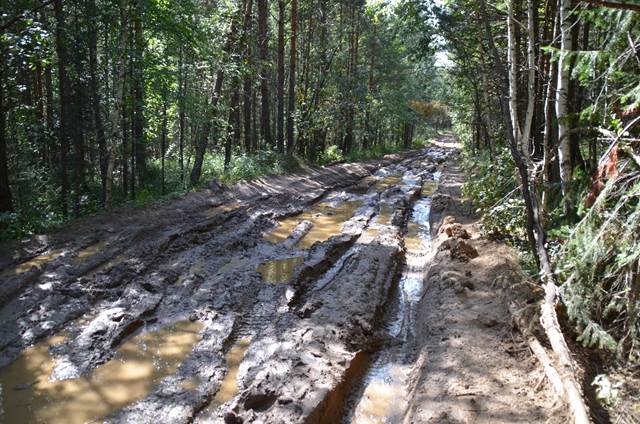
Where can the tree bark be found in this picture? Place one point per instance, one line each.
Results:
(280, 86)
(138, 123)
(562, 106)
(248, 83)
(291, 110)
(6, 203)
(95, 99)
(265, 74)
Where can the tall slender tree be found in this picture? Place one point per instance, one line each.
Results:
(265, 74)
(291, 109)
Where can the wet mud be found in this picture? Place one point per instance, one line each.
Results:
(292, 299)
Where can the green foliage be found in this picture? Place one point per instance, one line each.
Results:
(493, 189)
(246, 166)
(600, 268)
(331, 154)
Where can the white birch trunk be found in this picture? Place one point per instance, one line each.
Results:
(531, 81)
(562, 92)
(548, 115)
(512, 58)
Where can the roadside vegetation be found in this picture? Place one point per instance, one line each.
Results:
(546, 101)
(105, 104)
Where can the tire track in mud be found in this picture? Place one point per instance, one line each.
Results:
(309, 335)
(334, 338)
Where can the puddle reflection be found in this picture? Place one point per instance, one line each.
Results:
(89, 251)
(38, 262)
(29, 397)
(327, 222)
(229, 387)
(280, 270)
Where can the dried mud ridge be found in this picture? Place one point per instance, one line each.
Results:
(324, 297)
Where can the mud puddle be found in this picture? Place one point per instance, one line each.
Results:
(387, 182)
(89, 251)
(38, 262)
(28, 396)
(229, 387)
(279, 270)
(327, 219)
(384, 394)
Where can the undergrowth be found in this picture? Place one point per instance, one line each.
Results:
(597, 260)
(37, 208)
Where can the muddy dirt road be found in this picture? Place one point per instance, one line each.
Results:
(333, 296)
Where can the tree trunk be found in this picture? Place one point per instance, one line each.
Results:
(248, 83)
(531, 78)
(233, 139)
(513, 72)
(280, 86)
(203, 138)
(163, 140)
(138, 123)
(77, 112)
(182, 87)
(117, 130)
(48, 85)
(65, 102)
(548, 128)
(265, 77)
(562, 106)
(95, 100)
(291, 112)
(6, 204)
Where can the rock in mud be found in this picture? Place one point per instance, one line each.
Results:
(460, 249)
(456, 230)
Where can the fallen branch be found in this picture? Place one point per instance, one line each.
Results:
(567, 371)
(552, 374)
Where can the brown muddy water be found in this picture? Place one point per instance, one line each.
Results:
(279, 270)
(89, 251)
(229, 387)
(28, 396)
(38, 262)
(385, 395)
(327, 221)
(429, 187)
(387, 182)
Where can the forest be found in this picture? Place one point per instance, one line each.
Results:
(105, 103)
(148, 128)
